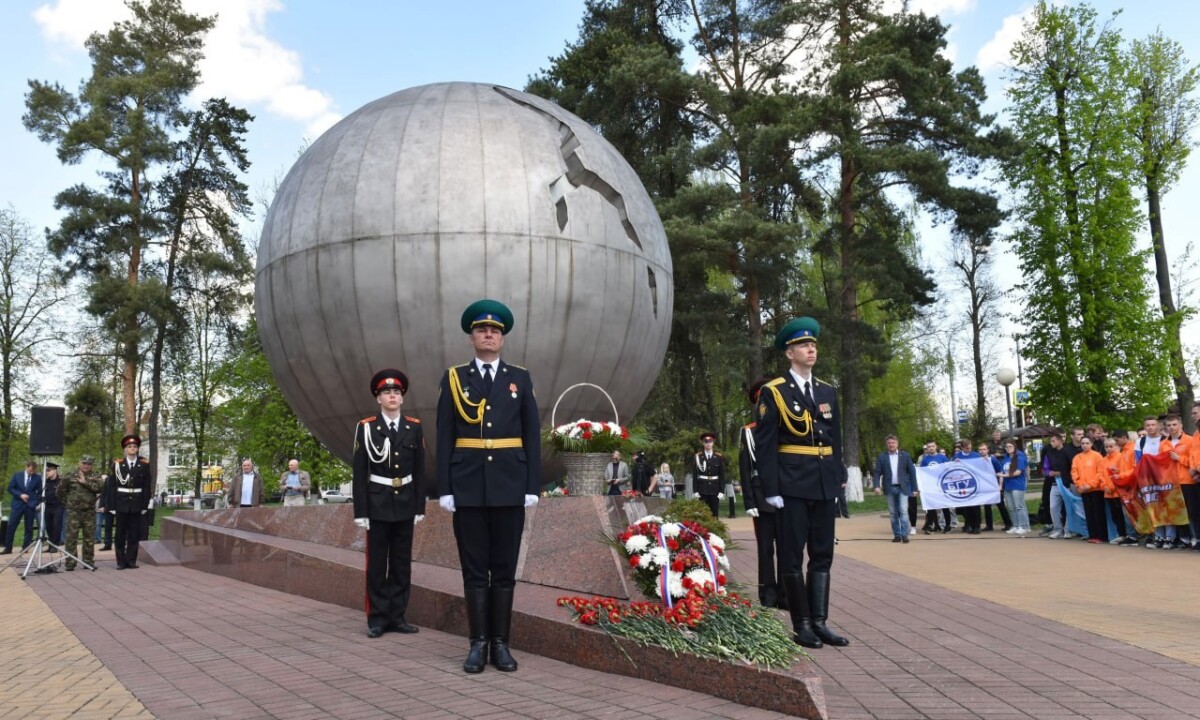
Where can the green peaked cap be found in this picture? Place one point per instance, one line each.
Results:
(802, 329)
(487, 312)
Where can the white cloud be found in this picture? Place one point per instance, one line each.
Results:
(240, 62)
(996, 52)
(930, 7)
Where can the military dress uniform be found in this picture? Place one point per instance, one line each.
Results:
(389, 490)
(708, 475)
(766, 525)
(799, 443)
(55, 512)
(126, 496)
(488, 470)
(78, 492)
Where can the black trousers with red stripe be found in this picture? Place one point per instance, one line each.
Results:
(389, 572)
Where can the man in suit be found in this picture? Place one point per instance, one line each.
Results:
(246, 487)
(799, 441)
(489, 470)
(389, 500)
(616, 473)
(25, 487)
(766, 524)
(708, 473)
(295, 484)
(895, 477)
(126, 497)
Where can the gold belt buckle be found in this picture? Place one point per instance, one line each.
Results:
(396, 482)
(488, 443)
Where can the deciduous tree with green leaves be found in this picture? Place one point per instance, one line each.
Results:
(1094, 343)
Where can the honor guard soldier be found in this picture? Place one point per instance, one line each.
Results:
(798, 440)
(126, 496)
(766, 524)
(488, 471)
(78, 491)
(708, 469)
(389, 499)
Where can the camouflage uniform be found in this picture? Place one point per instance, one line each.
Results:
(80, 499)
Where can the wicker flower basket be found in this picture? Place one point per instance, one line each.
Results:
(585, 471)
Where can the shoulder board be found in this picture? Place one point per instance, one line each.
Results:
(826, 384)
(412, 419)
(718, 453)
(775, 382)
(144, 461)
(516, 366)
(458, 367)
(364, 421)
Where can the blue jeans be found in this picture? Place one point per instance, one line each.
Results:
(1017, 509)
(898, 511)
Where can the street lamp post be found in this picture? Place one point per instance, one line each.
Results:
(1006, 377)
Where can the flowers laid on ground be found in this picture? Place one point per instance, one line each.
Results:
(673, 556)
(703, 623)
(588, 436)
(558, 491)
(681, 567)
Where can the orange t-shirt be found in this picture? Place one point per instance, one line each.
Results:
(1087, 470)
(1183, 447)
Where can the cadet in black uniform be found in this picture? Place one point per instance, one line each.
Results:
(126, 496)
(488, 471)
(708, 473)
(766, 526)
(798, 439)
(389, 499)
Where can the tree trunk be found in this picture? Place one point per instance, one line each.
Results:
(6, 422)
(130, 349)
(1184, 391)
(851, 386)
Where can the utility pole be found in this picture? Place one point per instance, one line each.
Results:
(953, 399)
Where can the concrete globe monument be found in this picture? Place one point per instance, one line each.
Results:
(430, 198)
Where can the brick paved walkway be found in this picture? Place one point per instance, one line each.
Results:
(192, 645)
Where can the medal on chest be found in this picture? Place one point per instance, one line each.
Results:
(826, 410)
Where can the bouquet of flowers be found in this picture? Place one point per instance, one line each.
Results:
(671, 558)
(558, 491)
(588, 436)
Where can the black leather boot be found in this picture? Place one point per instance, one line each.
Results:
(798, 608)
(768, 596)
(502, 601)
(818, 601)
(732, 505)
(477, 629)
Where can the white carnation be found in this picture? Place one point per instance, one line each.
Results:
(650, 519)
(659, 556)
(716, 541)
(670, 530)
(644, 560)
(723, 561)
(675, 585)
(637, 544)
(699, 576)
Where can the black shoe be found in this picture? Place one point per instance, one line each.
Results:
(374, 631)
(904, 539)
(404, 628)
(477, 657)
(6, 551)
(70, 568)
(896, 539)
(107, 547)
(121, 567)
(500, 613)
(768, 596)
(797, 598)
(502, 659)
(947, 530)
(927, 531)
(989, 529)
(132, 566)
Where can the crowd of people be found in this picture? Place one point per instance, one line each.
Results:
(1088, 465)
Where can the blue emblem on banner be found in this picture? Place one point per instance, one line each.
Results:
(958, 483)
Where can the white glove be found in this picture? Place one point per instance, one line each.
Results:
(447, 502)
(720, 496)
(364, 523)
(752, 512)
(531, 501)
(112, 512)
(417, 519)
(775, 501)
(143, 512)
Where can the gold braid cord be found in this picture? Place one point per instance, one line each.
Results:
(798, 425)
(462, 402)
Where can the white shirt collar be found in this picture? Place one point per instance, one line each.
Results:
(800, 380)
(388, 419)
(494, 363)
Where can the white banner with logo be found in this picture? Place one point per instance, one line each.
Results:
(958, 483)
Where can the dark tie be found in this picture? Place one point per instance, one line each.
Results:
(808, 392)
(615, 471)
(487, 378)
(392, 430)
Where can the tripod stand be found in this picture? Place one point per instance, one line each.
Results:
(37, 549)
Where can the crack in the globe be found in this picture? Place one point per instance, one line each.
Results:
(577, 175)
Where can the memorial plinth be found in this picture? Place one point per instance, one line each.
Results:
(317, 552)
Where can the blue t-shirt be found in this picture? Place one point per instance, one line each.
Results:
(927, 460)
(1018, 482)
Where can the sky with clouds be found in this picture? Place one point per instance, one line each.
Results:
(301, 65)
